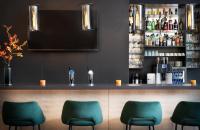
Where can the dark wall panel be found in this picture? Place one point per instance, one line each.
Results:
(110, 63)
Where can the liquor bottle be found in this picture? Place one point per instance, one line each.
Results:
(169, 41)
(149, 26)
(163, 11)
(130, 28)
(165, 25)
(161, 40)
(157, 40)
(157, 24)
(147, 22)
(181, 24)
(162, 25)
(170, 11)
(181, 39)
(153, 25)
(176, 11)
(175, 25)
(177, 39)
(173, 41)
(153, 39)
(130, 11)
(165, 40)
(170, 25)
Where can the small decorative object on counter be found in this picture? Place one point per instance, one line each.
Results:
(71, 76)
(91, 77)
(10, 46)
(42, 83)
(118, 82)
(193, 82)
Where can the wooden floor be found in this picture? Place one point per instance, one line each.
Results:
(112, 102)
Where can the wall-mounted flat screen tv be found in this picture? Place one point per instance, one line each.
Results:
(62, 31)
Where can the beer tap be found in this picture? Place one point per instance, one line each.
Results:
(91, 77)
(71, 76)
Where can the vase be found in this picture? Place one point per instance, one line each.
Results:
(7, 75)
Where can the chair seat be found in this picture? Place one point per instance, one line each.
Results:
(81, 122)
(190, 122)
(20, 123)
(142, 121)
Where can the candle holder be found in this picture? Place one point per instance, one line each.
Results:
(118, 83)
(42, 83)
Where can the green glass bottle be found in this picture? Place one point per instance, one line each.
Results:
(153, 24)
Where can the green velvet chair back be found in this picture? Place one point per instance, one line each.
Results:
(83, 111)
(22, 113)
(142, 110)
(186, 111)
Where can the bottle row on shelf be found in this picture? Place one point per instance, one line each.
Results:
(162, 11)
(158, 53)
(193, 47)
(193, 38)
(163, 24)
(164, 40)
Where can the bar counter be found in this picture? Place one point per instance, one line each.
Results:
(112, 99)
(96, 86)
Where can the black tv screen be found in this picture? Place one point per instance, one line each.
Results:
(62, 30)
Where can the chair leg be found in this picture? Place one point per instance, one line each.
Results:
(33, 127)
(93, 127)
(9, 127)
(129, 127)
(175, 126)
(153, 127)
(126, 127)
(70, 127)
(15, 127)
(38, 127)
(149, 127)
(182, 127)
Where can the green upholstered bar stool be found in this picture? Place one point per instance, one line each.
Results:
(76, 113)
(141, 114)
(22, 114)
(186, 114)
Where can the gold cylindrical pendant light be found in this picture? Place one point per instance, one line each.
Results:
(33, 18)
(86, 17)
(138, 17)
(190, 21)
